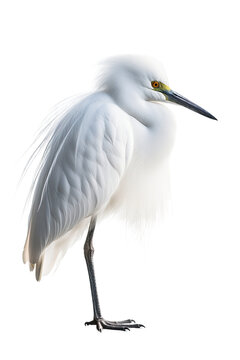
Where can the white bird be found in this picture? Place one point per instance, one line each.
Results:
(107, 153)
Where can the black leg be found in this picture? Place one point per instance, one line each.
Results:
(88, 253)
(98, 319)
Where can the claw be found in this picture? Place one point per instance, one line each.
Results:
(114, 325)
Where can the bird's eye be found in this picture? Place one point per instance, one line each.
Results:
(155, 84)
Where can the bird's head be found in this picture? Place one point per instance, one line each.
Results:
(135, 77)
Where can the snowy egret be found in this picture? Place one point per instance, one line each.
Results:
(107, 153)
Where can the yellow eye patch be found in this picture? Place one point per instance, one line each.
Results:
(159, 85)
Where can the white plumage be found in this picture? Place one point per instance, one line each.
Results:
(82, 168)
(108, 152)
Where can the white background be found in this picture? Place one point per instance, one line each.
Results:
(182, 279)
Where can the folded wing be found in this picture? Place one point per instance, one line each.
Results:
(84, 161)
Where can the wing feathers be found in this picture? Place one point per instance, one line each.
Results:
(83, 163)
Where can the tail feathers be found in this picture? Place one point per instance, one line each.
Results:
(52, 254)
(49, 258)
(26, 259)
(39, 267)
(25, 255)
(31, 266)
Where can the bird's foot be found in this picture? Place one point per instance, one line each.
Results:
(114, 325)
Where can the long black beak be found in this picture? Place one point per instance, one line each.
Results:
(179, 99)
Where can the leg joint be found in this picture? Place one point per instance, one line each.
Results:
(88, 250)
